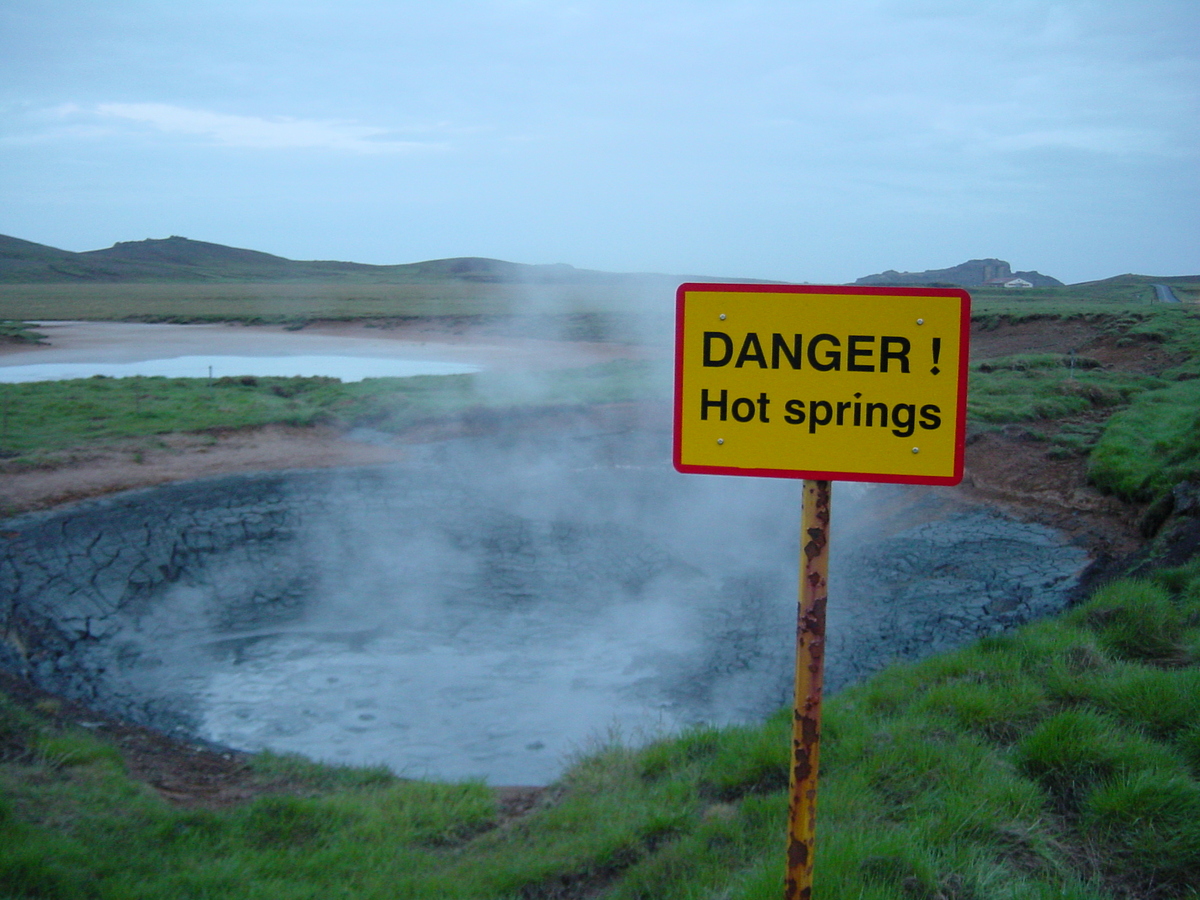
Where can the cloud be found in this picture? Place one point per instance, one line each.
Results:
(1093, 140)
(255, 132)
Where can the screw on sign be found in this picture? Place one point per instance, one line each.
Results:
(824, 383)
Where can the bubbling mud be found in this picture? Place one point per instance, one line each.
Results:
(493, 604)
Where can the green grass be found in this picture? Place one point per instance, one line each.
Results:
(1016, 389)
(1114, 304)
(1129, 322)
(41, 418)
(1026, 388)
(1041, 388)
(16, 332)
(299, 302)
(1061, 760)
(255, 302)
(1152, 445)
(1141, 433)
(1113, 295)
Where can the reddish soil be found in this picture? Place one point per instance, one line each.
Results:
(1057, 336)
(183, 457)
(1014, 469)
(1007, 468)
(1011, 470)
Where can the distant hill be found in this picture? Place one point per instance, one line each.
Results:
(181, 259)
(972, 273)
(26, 261)
(1130, 279)
(184, 260)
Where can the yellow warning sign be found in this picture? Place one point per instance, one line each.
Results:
(823, 382)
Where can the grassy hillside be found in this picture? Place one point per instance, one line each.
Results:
(1153, 445)
(177, 279)
(1131, 295)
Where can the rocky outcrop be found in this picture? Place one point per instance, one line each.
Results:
(972, 273)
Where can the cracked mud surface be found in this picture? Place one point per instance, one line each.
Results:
(493, 603)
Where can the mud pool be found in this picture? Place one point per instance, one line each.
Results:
(492, 605)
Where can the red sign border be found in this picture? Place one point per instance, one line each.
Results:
(960, 425)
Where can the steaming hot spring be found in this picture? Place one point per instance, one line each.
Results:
(493, 604)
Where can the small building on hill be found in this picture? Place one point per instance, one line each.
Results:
(1010, 282)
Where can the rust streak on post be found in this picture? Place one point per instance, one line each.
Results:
(810, 665)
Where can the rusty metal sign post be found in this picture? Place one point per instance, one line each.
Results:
(825, 383)
(810, 669)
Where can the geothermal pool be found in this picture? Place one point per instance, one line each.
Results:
(493, 604)
(122, 349)
(345, 368)
(126, 349)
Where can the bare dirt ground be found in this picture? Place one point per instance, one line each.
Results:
(1009, 470)
(1005, 469)
(182, 457)
(1057, 336)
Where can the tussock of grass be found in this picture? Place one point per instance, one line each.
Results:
(57, 751)
(1160, 702)
(1150, 820)
(1078, 749)
(995, 710)
(1138, 621)
(294, 769)
(1024, 362)
(749, 760)
(17, 727)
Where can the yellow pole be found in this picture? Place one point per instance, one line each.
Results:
(810, 660)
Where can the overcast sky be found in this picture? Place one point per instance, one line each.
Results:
(806, 141)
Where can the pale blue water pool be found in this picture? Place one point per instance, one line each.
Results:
(346, 368)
